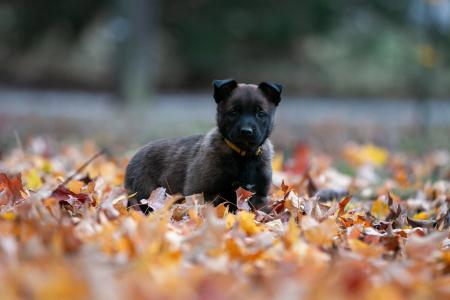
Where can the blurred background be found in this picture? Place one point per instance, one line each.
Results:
(123, 72)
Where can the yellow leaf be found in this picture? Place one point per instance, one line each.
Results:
(365, 249)
(238, 251)
(247, 222)
(385, 291)
(34, 181)
(277, 162)
(46, 166)
(230, 220)
(373, 154)
(75, 186)
(380, 209)
(292, 234)
(422, 216)
(9, 216)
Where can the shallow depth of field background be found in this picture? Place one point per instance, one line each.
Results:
(123, 72)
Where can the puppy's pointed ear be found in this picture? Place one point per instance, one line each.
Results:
(223, 88)
(272, 91)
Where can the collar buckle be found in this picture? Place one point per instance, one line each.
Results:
(238, 150)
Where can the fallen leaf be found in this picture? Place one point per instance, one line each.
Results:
(75, 186)
(242, 198)
(33, 180)
(247, 222)
(380, 209)
(157, 199)
(11, 189)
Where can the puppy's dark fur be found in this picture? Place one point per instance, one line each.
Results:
(205, 163)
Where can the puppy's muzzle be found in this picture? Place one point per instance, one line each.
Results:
(246, 131)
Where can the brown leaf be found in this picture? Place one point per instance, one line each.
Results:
(391, 243)
(311, 188)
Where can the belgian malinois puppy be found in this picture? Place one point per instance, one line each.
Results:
(237, 153)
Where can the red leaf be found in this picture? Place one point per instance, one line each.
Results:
(301, 159)
(61, 193)
(11, 189)
(278, 207)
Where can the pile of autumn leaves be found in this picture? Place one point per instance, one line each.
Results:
(388, 240)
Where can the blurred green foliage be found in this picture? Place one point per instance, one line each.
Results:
(327, 47)
(32, 19)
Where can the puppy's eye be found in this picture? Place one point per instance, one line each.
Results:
(233, 113)
(261, 114)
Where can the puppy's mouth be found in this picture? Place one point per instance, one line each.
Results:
(246, 143)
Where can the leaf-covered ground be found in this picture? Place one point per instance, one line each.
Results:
(71, 237)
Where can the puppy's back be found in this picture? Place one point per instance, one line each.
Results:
(161, 163)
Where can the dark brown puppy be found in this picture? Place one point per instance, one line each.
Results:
(236, 153)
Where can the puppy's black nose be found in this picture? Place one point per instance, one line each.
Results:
(247, 131)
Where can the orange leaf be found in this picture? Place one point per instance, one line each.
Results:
(75, 186)
(343, 204)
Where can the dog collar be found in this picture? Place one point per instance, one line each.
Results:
(239, 150)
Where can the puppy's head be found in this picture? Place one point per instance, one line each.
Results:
(245, 112)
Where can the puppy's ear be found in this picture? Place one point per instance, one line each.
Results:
(223, 88)
(272, 91)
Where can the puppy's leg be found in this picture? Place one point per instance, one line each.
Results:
(228, 197)
(142, 190)
(135, 203)
(262, 189)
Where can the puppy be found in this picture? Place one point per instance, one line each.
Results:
(237, 153)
